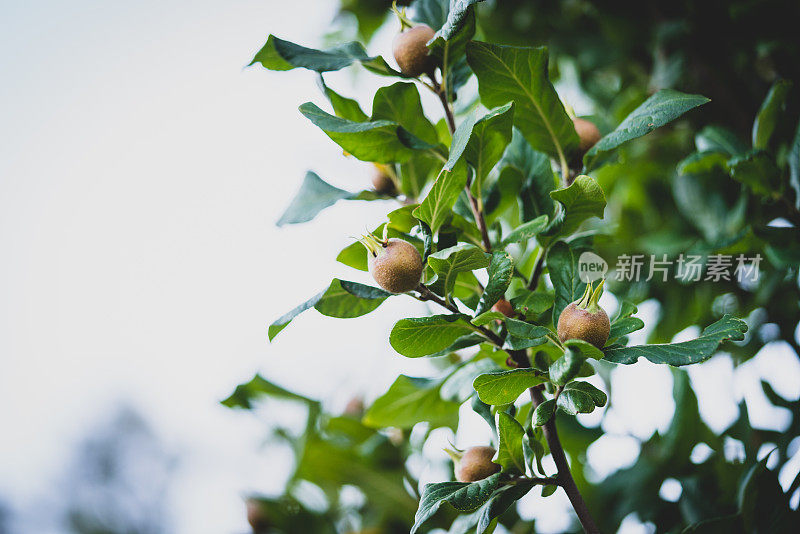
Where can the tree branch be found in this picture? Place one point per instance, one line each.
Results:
(564, 476)
(427, 294)
(477, 212)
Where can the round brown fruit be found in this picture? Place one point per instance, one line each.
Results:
(584, 319)
(410, 49)
(476, 464)
(503, 306)
(588, 133)
(382, 183)
(396, 265)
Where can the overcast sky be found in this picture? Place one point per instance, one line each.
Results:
(142, 168)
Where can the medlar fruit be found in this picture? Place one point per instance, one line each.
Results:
(410, 49)
(382, 182)
(585, 319)
(588, 134)
(476, 464)
(396, 265)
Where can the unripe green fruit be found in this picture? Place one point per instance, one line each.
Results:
(587, 132)
(585, 319)
(396, 265)
(382, 183)
(410, 50)
(476, 464)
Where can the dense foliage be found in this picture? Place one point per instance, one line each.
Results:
(503, 200)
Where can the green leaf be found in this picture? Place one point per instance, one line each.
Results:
(314, 196)
(463, 496)
(772, 110)
(487, 317)
(598, 397)
(544, 412)
(423, 336)
(758, 171)
(377, 141)
(583, 199)
(448, 263)
(400, 103)
(663, 107)
(506, 74)
(410, 401)
(449, 43)
(278, 54)
(438, 204)
(431, 12)
(283, 321)
(526, 231)
(509, 448)
(536, 176)
(244, 394)
(501, 500)
(505, 387)
(522, 335)
(342, 299)
(686, 352)
(719, 139)
(490, 137)
(794, 166)
(460, 139)
(575, 401)
(703, 163)
(343, 107)
(566, 367)
(763, 504)
(346, 300)
(562, 263)
(532, 303)
(501, 271)
(585, 348)
(623, 327)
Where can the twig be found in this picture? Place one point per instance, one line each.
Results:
(427, 294)
(564, 476)
(477, 212)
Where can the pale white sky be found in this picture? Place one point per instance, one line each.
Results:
(141, 171)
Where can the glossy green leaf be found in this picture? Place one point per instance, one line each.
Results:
(343, 107)
(410, 401)
(448, 263)
(450, 41)
(489, 139)
(704, 162)
(376, 141)
(438, 204)
(400, 103)
(583, 199)
(562, 262)
(487, 317)
(719, 139)
(663, 107)
(544, 412)
(505, 387)
(566, 367)
(278, 54)
(772, 110)
(462, 496)
(575, 401)
(532, 303)
(794, 167)
(501, 271)
(758, 171)
(526, 231)
(509, 449)
(423, 336)
(536, 174)
(346, 300)
(314, 195)
(728, 328)
(522, 335)
(585, 348)
(598, 397)
(501, 500)
(460, 139)
(518, 74)
(244, 394)
(342, 299)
